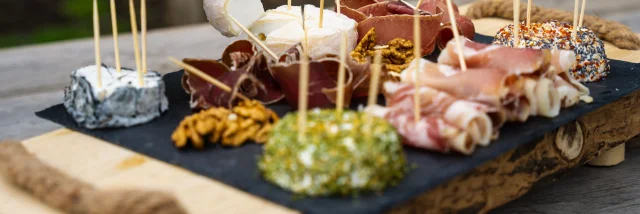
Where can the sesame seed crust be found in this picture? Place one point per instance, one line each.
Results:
(592, 63)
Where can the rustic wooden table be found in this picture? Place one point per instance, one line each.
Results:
(26, 88)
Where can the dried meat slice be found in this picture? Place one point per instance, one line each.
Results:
(238, 54)
(464, 24)
(323, 75)
(394, 26)
(258, 66)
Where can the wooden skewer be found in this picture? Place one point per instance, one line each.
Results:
(136, 48)
(417, 52)
(341, 73)
(516, 23)
(114, 27)
(375, 78)
(584, 5)
(528, 13)
(321, 13)
(338, 6)
(288, 4)
(204, 76)
(303, 92)
(456, 36)
(143, 26)
(255, 39)
(574, 32)
(410, 5)
(96, 41)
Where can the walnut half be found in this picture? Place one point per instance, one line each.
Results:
(249, 120)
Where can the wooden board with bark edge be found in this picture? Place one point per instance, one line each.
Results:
(493, 184)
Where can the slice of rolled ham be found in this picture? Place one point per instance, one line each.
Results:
(431, 133)
(486, 86)
(450, 122)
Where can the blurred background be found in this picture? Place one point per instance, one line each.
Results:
(39, 21)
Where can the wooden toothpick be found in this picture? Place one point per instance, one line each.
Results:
(528, 13)
(321, 13)
(456, 36)
(338, 6)
(204, 76)
(114, 27)
(584, 5)
(143, 26)
(516, 23)
(417, 52)
(254, 38)
(341, 73)
(96, 41)
(136, 48)
(303, 93)
(288, 4)
(374, 79)
(576, 11)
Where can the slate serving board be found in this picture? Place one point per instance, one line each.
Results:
(237, 166)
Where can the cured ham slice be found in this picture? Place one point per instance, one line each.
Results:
(429, 133)
(469, 119)
(486, 86)
(515, 60)
(518, 97)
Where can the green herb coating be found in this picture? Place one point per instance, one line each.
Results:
(341, 154)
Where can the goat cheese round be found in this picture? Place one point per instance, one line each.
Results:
(282, 28)
(341, 154)
(219, 13)
(120, 102)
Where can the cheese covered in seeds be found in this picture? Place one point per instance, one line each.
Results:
(341, 155)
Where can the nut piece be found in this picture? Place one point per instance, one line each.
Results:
(249, 120)
(396, 55)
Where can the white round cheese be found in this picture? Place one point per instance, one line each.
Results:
(282, 28)
(219, 11)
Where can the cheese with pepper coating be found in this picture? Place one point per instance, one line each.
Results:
(342, 154)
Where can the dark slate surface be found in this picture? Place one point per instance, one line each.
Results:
(237, 167)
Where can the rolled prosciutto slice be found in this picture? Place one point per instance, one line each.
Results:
(431, 133)
(487, 86)
(469, 116)
(517, 61)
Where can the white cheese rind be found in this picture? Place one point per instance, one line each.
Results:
(120, 102)
(245, 11)
(283, 29)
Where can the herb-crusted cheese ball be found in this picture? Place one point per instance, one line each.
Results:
(342, 154)
(592, 63)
